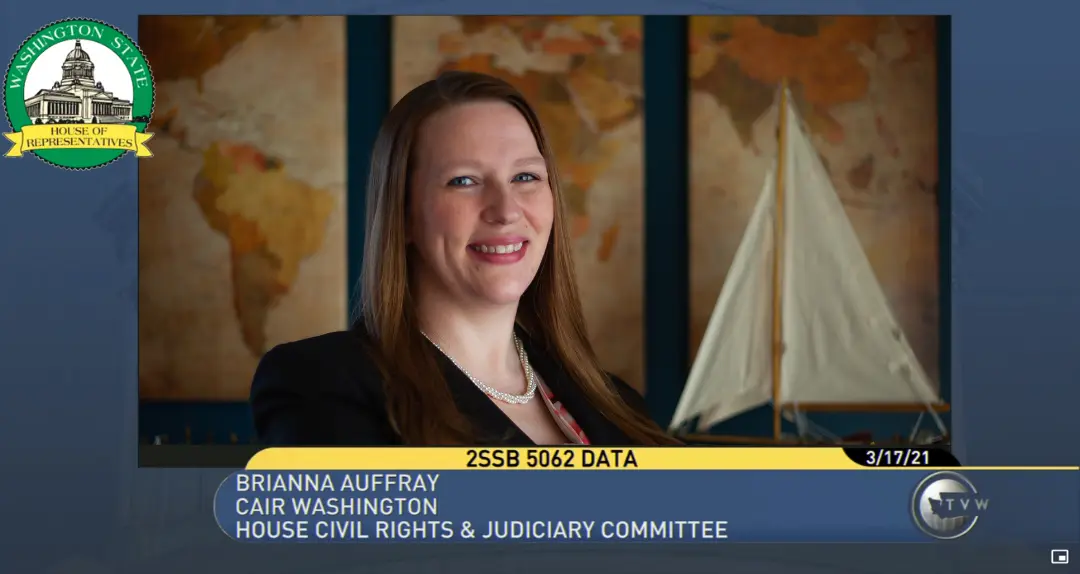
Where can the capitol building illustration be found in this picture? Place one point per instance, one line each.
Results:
(77, 98)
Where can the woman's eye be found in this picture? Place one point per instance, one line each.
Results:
(525, 177)
(462, 181)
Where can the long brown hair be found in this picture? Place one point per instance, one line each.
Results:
(419, 401)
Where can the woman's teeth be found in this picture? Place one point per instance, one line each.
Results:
(500, 249)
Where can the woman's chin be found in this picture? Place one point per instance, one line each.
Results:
(505, 294)
(504, 299)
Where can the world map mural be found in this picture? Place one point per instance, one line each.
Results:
(241, 211)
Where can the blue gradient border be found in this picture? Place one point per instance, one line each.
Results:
(68, 270)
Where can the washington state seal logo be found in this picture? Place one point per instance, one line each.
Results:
(78, 94)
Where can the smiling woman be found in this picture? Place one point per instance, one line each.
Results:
(470, 328)
(480, 214)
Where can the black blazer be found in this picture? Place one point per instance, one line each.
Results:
(327, 391)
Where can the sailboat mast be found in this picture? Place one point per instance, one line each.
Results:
(777, 286)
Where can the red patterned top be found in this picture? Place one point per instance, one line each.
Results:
(566, 422)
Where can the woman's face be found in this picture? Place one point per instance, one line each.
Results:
(481, 207)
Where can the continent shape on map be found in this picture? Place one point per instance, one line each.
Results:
(210, 40)
(272, 222)
(741, 60)
(242, 227)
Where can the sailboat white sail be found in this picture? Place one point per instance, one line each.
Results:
(836, 344)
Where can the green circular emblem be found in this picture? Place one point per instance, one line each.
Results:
(78, 94)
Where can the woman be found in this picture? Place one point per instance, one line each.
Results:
(470, 329)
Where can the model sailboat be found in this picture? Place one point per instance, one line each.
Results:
(801, 321)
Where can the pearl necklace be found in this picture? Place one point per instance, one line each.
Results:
(496, 394)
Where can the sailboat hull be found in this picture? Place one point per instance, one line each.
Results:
(866, 407)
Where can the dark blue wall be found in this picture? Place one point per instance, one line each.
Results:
(666, 236)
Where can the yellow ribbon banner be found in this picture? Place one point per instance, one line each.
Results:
(79, 136)
(572, 458)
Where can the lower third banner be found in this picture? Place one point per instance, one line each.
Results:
(710, 506)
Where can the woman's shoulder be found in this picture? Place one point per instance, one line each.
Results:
(320, 391)
(327, 344)
(319, 363)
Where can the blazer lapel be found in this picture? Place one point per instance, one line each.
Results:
(496, 428)
(598, 428)
(492, 425)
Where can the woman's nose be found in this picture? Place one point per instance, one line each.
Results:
(502, 207)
